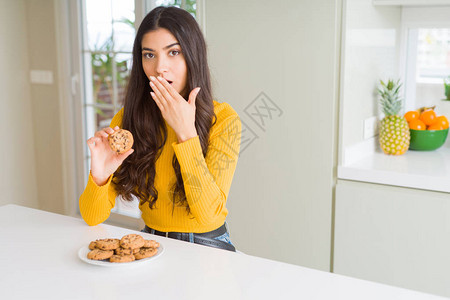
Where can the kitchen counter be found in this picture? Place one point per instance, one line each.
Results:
(39, 260)
(428, 170)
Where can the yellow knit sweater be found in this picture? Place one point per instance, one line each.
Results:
(207, 180)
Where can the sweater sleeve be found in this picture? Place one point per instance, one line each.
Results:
(207, 180)
(96, 201)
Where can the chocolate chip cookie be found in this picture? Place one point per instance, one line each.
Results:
(132, 241)
(146, 252)
(151, 244)
(121, 258)
(107, 244)
(98, 254)
(92, 245)
(121, 141)
(123, 251)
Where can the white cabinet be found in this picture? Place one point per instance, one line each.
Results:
(393, 235)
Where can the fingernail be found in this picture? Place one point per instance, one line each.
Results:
(152, 78)
(159, 78)
(198, 90)
(152, 84)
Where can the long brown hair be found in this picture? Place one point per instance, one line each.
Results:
(143, 118)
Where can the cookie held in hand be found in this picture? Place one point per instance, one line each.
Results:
(121, 141)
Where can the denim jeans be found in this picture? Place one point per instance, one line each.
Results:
(224, 237)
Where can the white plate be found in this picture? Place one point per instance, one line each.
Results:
(82, 254)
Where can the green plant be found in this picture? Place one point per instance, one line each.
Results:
(447, 88)
(188, 5)
(102, 60)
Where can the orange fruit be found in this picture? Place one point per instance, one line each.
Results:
(435, 126)
(417, 125)
(442, 120)
(428, 117)
(412, 115)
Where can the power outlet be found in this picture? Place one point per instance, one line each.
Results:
(370, 127)
(41, 76)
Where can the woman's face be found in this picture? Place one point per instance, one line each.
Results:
(162, 56)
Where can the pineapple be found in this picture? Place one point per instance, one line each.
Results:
(394, 131)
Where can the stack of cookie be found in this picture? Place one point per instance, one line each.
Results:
(131, 247)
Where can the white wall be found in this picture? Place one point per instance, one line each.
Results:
(17, 156)
(429, 94)
(371, 52)
(42, 55)
(32, 163)
(280, 201)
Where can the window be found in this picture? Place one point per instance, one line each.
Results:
(109, 28)
(426, 56)
(433, 54)
(107, 36)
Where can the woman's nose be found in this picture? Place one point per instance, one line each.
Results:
(161, 66)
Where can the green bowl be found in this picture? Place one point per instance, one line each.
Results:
(426, 140)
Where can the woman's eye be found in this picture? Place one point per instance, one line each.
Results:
(176, 52)
(148, 55)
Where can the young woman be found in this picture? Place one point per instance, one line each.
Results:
(186, 145)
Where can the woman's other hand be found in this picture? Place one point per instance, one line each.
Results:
(179, 113)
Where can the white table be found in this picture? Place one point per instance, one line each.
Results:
(39, 260)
